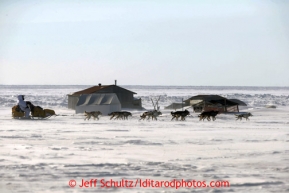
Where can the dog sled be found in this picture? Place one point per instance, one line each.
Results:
(37, 112)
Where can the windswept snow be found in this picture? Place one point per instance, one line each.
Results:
(44, 155)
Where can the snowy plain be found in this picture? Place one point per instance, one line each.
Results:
(44, 155)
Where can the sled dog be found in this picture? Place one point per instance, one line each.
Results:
(207, 115)
(93, 114)
(150, 114)
(126, 114)
(245, 116)
(181, 114)
(120, 115)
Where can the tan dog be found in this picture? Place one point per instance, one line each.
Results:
(93, 114)
(150, 114)
(246, 116)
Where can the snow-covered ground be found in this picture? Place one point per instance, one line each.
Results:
(45, 155)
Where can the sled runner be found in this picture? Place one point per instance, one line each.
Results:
(36, 112)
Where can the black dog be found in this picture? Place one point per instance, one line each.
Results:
(181, 114)
(207, 115)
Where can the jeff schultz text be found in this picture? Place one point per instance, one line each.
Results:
(148, 183)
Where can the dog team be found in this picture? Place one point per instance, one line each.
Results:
(123, 115)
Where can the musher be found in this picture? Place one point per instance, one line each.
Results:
(23, 106)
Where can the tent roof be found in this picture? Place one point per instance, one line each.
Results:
(95, 89)
(223, 102)
(213, 102)
(241, 103)
(214, 99)
(206, 97)
(97, 99)
(89, 90)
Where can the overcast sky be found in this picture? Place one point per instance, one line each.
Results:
(143, 42)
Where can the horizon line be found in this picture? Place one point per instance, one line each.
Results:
(132, 85)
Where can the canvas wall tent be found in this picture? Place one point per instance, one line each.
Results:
(105, 103)
(125, 96)
(214, 103)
